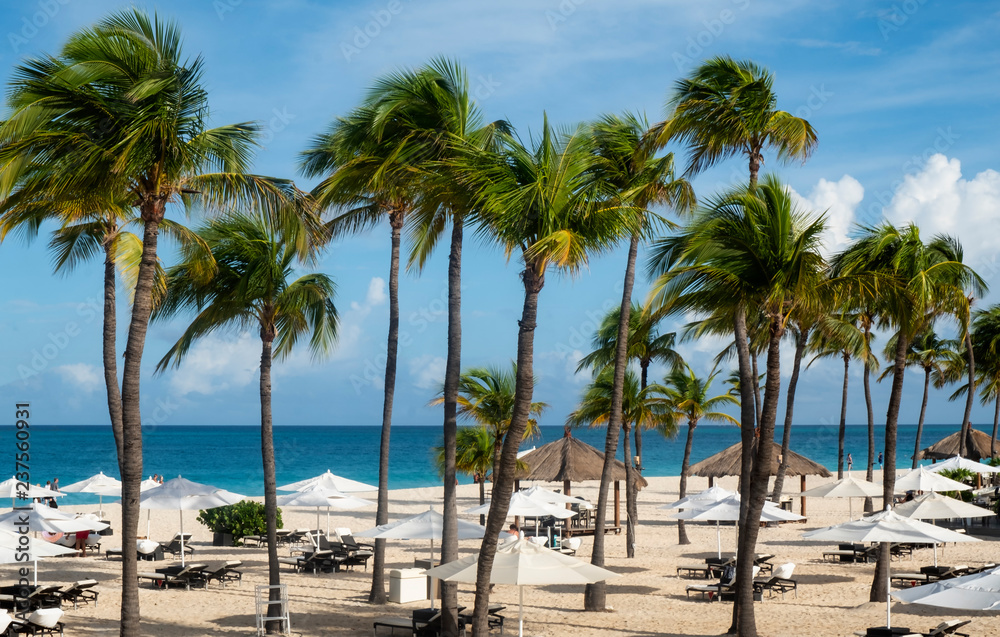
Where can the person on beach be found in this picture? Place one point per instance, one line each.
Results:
(81, 542)
(515, 531)
(850, 461)
(879, 460)
(55, 484)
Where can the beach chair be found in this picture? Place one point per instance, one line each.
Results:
(188, 576)
(493, 617)
(403, 625)
(174, 546)
(43, 596)
(261, 540)
(780, 582)
(315, 562)
(429, 625)
(223, 572)
(359, 547)
(44, 621)
(949, 627)
(77, 593)
(764, 562)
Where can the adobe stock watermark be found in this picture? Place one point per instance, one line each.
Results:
(712, 31)
(278, 122)
(897, 16)
(818, 97)
(364, 34)
(561, 14)
(222, 7)
(58, 341)
(33, 22)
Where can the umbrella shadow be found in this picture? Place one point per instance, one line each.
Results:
(621, 570)
(613, 589)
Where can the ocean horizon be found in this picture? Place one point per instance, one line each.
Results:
(228, 456)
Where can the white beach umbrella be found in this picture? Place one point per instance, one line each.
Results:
(958, 462)
(41, 517)
(11, 546)
(700, 499)
(8, 489)
(185, 495)
(922, 479)
(330, 480)
(319, 497)
(849, 487)
(979, 591)
(521, 504)
(545, 495)
(100, 485)
(728, 510)
(934, 506)
(887, 526)
(524, 563)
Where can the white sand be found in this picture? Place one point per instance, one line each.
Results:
(648, 599)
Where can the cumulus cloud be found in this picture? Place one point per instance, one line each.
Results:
(214, 364)
(85, 377)
(839, 200)
(376, 296)
(427, 372)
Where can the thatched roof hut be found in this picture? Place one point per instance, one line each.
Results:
(977, 447)
(727, 463)
(569, 460)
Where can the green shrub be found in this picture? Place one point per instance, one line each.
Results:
(239, 520)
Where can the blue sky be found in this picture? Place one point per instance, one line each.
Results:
(903, 95)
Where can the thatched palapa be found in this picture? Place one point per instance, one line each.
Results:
(727, 463)
(570, 460)
(977, 447)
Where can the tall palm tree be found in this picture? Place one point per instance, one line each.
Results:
(539, 202)
(137, 105)
(642, 407)
(688, 398)
(986, 342)
(908, 282)
(646, 345)
(633, 178)
(245, 282)
(727, 108)
(866, 319)
(750, 248)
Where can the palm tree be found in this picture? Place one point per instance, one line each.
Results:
(475, 451)
(687, 395)
(727, 108)
(748, 248)
(245, 282)
(632, 179)
(486, 397)
(866, 320)
(642, 407)
(136, 105)
(646, 345)
(908, 283)
(986, 342)
(539, 202)
(928, 352)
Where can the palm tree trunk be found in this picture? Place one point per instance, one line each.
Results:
(842, 430)
(643, 377)
(755, 161)
(270, 482)
(131, 461)
(870, 473)
(631, 510)
(682, 537)
(758, 485)
(109, 338)
(377, 593)
(923, 412)
(748, 423)
(880, 581)
(449, 532)
(786, 434)
(996, 421)
(503, 480)
(595, 595)
(965, 440)
(482, 497)
(756, 388)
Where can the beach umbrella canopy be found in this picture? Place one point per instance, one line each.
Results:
(185, 495)
(523, 505)
(98, 484)
(922, 479)
(524, 563)
(934, 506)
(887, 526)
(545, 495)
(37, 549)
(423, 526)
(958, 462)
(319, 497)
(8, 489)
(698, 500)
(41, 517)
(849, 487)
(330, 480)
(979, 591)
(728, 510)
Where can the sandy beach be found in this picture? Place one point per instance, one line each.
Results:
(648, 599)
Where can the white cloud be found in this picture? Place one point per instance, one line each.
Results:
(376, 296)
(839, 200)
(939, 200)
(428, 372)
(86, 377)
(214, 364)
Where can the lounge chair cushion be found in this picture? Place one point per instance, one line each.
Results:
(784, 571)
(146, 546)
(47, 617)
(5, 620)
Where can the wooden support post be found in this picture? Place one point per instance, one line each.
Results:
(517, 518)
(802, 501)
(566, 523)
(618, 504)
(711, 482)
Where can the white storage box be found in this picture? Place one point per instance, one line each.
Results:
(407, 585)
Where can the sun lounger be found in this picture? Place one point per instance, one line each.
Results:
(174, 546)
(764, 562)
(81, 592)
(402, 625)
(711, 591)
(43, 596)
(780, 582)
(261, 540)
(910, 579)
(493, 616)
(44, 621)
(700, 570)
(223, 572)
(315, 562)
(949, 627)
(188, 576)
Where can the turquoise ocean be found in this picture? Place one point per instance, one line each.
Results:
(229, 456)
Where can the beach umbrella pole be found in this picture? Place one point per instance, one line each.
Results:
(718, 538)
(935, 555)
(181, 512)
(520, 611)
(888, 600)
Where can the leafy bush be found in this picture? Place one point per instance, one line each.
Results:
(959, 475)
(239, 520)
